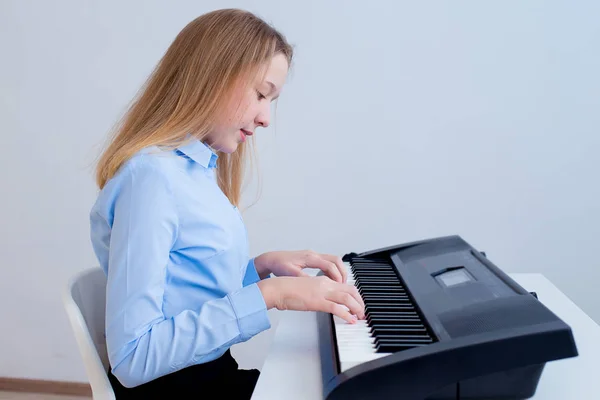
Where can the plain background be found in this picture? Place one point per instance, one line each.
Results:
(400, 121)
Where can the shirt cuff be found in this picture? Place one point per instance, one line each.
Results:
(251, 275)
(251, 311)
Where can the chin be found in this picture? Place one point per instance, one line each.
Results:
(229, 148)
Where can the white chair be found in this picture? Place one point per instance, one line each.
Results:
(84, 301)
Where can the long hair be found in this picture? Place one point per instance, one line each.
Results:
(190, 86)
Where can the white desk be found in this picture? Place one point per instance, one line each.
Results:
(292, 369)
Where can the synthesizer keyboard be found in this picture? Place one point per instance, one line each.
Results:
(442, 323)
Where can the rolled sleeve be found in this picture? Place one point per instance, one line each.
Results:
(251, 310)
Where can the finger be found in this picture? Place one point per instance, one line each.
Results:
(347, 300)
(328, 267)
(339, 263)
(353, 291)
(340, 311)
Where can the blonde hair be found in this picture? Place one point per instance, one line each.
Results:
(189, 87)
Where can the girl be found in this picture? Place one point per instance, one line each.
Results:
(181, 287)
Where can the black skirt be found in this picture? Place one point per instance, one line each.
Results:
(220, 378)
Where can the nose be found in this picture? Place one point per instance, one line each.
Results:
(263, 118)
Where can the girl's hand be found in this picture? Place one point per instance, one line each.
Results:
(313, 294)
(291, 263)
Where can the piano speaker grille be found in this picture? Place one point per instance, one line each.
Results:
(502, 313)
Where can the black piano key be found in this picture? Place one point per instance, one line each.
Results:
(407, 312)
(377, 282)
(385, 298)
(379, 290)
(368, 285)
(399, 317)
(391, 307)
(379, 327)
(388, 305)
(375, 295)
(382, 303)
(390, 320)
(372, 285)
(372, 270)
(393, 319)
(382, 296)
(383, 280)
(359, 265)
(396, 293)
(390, 317)
(403, 339)
(367, 261)
(372, 294)
(401, 342)
(389, 302)
(397, 322)
(387, 277)
(376, 274)
(383, 322)
(394, 330)
(393, 288)
(368, 267)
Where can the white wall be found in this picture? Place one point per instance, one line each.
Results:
(401, 121)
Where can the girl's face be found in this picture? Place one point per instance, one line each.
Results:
(249, 109)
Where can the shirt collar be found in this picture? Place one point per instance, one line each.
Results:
(199, 152)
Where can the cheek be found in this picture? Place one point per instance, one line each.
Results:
(240, 110)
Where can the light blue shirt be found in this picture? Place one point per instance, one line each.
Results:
(181, 287)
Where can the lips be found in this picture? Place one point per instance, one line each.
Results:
(244, 133)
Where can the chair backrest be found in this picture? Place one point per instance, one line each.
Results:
(84, 300)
